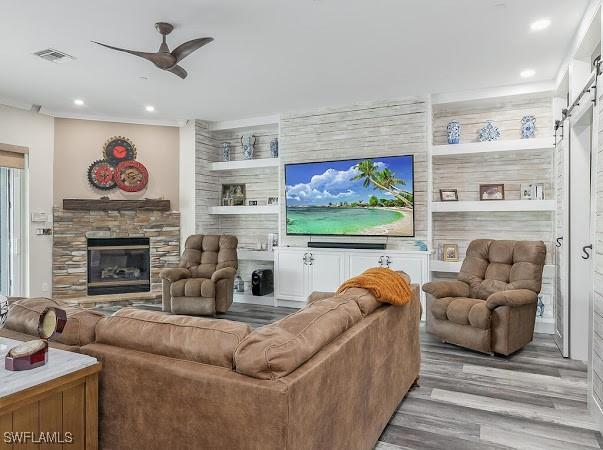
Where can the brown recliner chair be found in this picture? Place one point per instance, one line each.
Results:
(203, 282)
(491, 308)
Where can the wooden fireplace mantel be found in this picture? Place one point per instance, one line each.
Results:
(86, 204)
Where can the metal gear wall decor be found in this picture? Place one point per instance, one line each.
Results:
(118, 149)
(131, 176)
(101, 175)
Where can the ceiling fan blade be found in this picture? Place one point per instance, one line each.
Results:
(183, 50)
(177, 70)
(144, 55)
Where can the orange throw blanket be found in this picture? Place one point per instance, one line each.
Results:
(386, 285)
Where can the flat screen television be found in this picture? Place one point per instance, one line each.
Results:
(352, 197)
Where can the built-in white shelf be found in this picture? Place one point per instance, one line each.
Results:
(493, 205)
(244, 164)
(445, 266)
(514, 145)
(455, 267)
(255, 255)
(248, 297)
(261, 209)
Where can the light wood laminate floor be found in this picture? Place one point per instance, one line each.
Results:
(534, 399)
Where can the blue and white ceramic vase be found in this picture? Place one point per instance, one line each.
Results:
(454, 132)
(274, 148)
(226, 151)
(248, 143)
(528, 127)
(489, 132)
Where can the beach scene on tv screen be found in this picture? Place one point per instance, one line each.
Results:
(372, 197)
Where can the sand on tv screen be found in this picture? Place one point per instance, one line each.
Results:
(353, 197)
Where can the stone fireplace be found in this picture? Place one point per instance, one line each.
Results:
(118, 265)
(103, 252)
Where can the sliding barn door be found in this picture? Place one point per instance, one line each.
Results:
(561, 241)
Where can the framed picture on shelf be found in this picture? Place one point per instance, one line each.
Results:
(491, 191)
(252, 203)
(233, 194)
(449, 195)
(450, 252)
(532, 191)
(273, 200)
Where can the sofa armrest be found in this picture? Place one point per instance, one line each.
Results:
(441, 289)
(225, 272)
(513, 297)
(318, 295)
(175, 274)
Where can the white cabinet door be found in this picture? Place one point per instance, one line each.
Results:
(360, 262)
(291, 275)
(412, 266)
(327, 271)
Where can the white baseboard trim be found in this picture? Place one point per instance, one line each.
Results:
(291, 304)
(266, 300)
(597, 412)
(544, 327)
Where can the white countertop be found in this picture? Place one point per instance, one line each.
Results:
(59, 363)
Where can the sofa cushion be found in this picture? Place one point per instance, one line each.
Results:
(492, 266)
(209, 341)
(193, 287)
(24, 315)
(204, 254)
(462, 311)
(440, 306)
(276, 350)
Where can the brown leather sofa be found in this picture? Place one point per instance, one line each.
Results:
(326, 377)
(23, 316)
(203, 282)
(491, 307)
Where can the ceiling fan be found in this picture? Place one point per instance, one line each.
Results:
(164, 59)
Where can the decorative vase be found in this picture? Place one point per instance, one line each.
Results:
(528, 127)
(274, 148)
(226, 151)
(489, 132)
(239, 286)
(454, 132)
(248, 143)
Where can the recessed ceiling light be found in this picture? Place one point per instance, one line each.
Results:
(78, 102)
(540, 25)
(149, 108)
(528, 73)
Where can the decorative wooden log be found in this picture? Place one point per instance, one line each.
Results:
(83, 204)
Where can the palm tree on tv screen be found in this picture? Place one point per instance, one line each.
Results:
(384, 180)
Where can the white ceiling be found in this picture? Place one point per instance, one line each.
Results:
(272, 56)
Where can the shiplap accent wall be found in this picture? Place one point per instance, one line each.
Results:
(386, 128)
(207, 186)
(506, 112)
(260, 184)
(597, 338)
(465, 173)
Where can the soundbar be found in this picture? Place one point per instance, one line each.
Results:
(354, 245)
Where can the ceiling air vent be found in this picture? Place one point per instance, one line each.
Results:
(52, 55)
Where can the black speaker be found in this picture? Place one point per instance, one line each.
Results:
(262, 282)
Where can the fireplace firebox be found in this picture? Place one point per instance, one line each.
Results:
(118, 265)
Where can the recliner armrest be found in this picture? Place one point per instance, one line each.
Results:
(225, 272)
(441, 289)
(175, 274)
(513, 297)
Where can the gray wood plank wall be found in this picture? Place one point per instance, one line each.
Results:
(597, 337)
(466, 172)
(386, 128)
